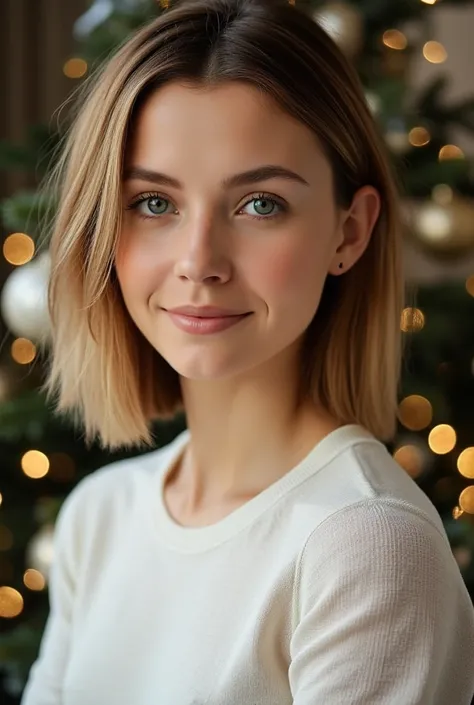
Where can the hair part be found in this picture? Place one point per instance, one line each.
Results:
(102, 370)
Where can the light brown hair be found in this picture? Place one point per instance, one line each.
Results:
(101, 367)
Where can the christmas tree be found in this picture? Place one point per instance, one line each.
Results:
(44, 457)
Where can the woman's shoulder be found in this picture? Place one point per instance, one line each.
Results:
(360, 475)
(117, 481)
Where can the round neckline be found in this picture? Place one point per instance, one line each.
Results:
(191, 539)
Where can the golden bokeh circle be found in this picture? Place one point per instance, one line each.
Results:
(419, 136)
(415, 412)
(34, 580)
(466, 500)
(23, 351)
(442, 439)
(470, 285)
(75, 68)
(411, 459)
(11, 602)
(465, 463)
(412, 320)
(434, 52)
(35, 464)
(18, 248)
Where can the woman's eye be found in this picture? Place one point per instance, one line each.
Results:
(264, 206)
(150, 205)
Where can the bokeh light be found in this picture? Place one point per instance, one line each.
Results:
(35, 464)
(18, 248)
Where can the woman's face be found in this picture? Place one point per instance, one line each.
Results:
(198, 232)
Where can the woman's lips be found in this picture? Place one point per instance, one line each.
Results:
(198, 325)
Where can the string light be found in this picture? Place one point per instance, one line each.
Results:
(470, 285)
(419, 137)
(415, 412)
(35, 464)
(18, 248)
(11, 602)
(434, 52)
(450, 151)
(75, 68)
(394, 39)
(34, 580)
(23, 351)
(465, 463)
(412, 320)
(442, 439)
(411, 459)
(466, 500)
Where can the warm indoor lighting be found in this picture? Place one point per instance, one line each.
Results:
(470, 285)
(23, 351)
(413, 320)
(18, 248)
(394, 39)
(11, 602)
(442, 439)
(434, 52)
(411, 459)
(419, 137)
(450, 151)
(75, 68)
(466, 463)
(415, 412)
(35, 464)
(34, 580)
(466, 500)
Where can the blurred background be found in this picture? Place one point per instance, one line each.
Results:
(415, 58)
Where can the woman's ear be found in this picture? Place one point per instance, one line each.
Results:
(355, 228)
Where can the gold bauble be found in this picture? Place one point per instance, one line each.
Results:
(442, 228)
(344, 23)
(466, 499)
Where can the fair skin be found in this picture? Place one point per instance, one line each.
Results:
(201, 246)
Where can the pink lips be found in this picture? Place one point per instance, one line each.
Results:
(204, 320)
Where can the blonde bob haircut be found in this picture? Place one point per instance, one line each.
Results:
(101, 368)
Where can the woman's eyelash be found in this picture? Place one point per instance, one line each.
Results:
(255, 197)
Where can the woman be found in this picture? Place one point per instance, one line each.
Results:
(228, 243)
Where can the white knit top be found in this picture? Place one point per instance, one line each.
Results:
(336, 585)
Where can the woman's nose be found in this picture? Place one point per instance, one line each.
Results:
(204, 257)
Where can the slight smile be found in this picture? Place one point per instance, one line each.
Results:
(205, 320)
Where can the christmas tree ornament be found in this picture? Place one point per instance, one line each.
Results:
(24, 299)
(445, 229)
(99, 12)
(40, 553)
(343, 22)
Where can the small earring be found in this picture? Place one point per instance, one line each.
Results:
(340, 265)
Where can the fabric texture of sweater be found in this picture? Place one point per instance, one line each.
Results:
(336, 585)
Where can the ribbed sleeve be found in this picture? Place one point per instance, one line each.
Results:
(378, 610)
(45, 681)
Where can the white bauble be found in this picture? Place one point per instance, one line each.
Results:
(24, 299)
(98, 13)
(40, 551)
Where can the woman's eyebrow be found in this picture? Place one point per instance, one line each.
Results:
(251, 176)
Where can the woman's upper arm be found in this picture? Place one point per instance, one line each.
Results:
(45, 681)
(384, 616)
